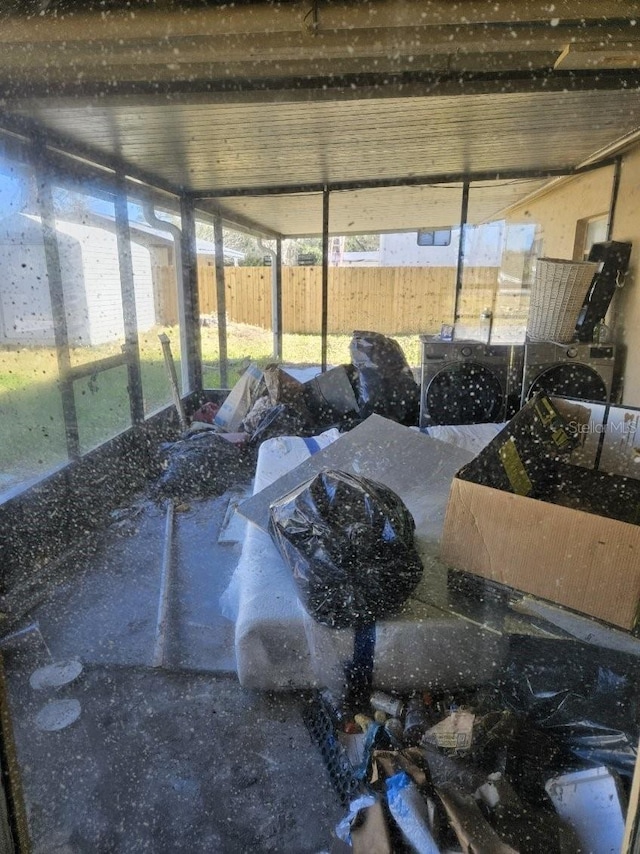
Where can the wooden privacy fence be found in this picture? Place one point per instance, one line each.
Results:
(391, 300)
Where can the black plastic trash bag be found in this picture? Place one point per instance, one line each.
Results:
(385, 383)
(279, 420)
(202, 464)
(349, 543)
(586, 696)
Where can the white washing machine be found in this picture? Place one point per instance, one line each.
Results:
(469, 382)
(584, 371)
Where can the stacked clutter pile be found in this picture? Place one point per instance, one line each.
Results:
(540, 756)
(220, 446)
(539, 761)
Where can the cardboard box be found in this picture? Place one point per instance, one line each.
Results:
(240, 400)
(567, 551)
(525, 457)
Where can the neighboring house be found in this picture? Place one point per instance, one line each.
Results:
(495, 244)
(90, 277)
(484, 246)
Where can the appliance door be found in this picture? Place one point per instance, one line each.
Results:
(570, 380)
(464, 393)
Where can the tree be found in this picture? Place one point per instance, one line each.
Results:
(362, 243)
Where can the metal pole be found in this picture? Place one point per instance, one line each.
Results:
(615, 189)
(464, 207)
(165, 583)
(173, 379)
(176, 233)
(276, 295)
(222, 300)
(56, 293)
(189, 285)
(325, 276)
(277, 307)
(127, 287)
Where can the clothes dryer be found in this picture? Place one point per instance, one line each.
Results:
(578, 370)
(469, 382)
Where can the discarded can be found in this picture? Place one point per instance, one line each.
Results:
(415, 720)
(380, 717)
(385, 703)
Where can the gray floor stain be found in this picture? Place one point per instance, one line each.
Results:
(172, 759)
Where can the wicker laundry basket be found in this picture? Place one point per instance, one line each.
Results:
(557, 295)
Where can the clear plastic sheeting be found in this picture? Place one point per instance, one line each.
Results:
(423, 645)
(474, 440)
(270, 643)
(279, 646)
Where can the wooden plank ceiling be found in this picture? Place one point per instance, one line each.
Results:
(220, 100)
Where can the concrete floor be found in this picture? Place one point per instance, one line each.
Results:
(177, 758)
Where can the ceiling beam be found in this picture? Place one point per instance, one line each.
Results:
(241, 45)
(406, 83)
(410, 181)
(271, 48)
(129, 24)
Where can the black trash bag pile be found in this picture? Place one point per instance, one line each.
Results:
(200, 465)
(280, 420)
(586, 697)
(349, 544)
(384, 381)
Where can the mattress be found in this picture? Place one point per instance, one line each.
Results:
(279, 646)
(270, 641)
(472, 437)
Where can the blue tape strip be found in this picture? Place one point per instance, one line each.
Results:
(364, 645)
(312, 445)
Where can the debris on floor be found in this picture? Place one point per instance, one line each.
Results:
(201, 464)
(472, 772)
(218, 448)
(535, 755)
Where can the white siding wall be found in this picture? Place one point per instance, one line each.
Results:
(98, 274)
(25, 307)
(25, 304)
(90, 278)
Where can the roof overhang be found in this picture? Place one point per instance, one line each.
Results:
(255, 109)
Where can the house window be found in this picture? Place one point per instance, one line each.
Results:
(434, 237)
(589, 231)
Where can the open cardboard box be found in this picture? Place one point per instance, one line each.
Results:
(524, 514)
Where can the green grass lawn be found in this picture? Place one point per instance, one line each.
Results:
(32, 437)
